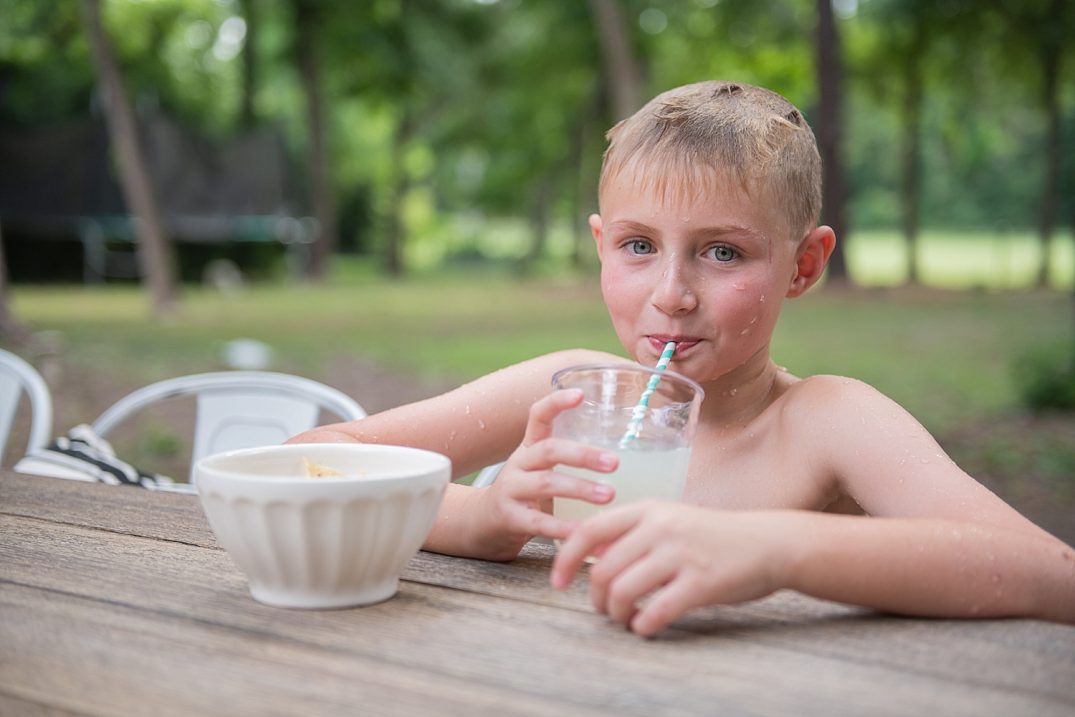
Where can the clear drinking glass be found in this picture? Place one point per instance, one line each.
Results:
(653, 441)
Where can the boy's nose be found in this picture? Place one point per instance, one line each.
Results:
(673, 293)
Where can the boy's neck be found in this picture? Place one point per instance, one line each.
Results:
(739, 396)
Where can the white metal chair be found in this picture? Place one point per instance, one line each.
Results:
(487, 475)
(17, 376)
(238, 409)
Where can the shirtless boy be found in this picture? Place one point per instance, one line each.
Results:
(709, 203)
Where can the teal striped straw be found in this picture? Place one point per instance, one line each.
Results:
(639, 413)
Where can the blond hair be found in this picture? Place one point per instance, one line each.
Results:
(687, 138)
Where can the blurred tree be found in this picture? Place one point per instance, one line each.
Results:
(154, 249)
(247, 118)
(830, 129)
(322, 190)
(904, 32)
(1042, 29)
(623, 69)
(12, 331)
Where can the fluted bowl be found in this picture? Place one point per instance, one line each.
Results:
(322, 542)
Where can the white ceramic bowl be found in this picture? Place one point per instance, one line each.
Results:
(322, 542)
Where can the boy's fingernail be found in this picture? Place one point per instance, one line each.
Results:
(607, 461)
(602, 491)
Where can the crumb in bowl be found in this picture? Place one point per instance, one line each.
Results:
(316, 470)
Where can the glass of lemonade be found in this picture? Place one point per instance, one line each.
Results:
(654, 452)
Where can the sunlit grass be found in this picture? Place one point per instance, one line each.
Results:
(960, 259)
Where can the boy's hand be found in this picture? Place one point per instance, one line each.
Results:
(680, 556)
(516, 506)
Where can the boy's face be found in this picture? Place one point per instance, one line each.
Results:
(709, 272)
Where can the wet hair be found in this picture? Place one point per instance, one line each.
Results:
(697, 137)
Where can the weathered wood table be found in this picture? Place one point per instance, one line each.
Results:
(118, 601)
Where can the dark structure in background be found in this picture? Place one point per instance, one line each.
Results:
(62, 214)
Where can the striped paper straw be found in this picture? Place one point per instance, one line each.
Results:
(635, 426)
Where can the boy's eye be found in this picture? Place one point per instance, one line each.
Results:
(722, 252)
(640, 246)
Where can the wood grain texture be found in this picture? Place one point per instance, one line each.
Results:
(112, 600)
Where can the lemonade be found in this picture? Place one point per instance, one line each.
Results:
(646, 471)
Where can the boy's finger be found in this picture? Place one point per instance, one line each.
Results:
(545, 485)
(619, 597)
(560, 451)
(664, 606)
(588, 537)
(536, 522)
(622, 560)
(543, 411)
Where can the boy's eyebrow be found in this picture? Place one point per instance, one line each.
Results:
(716, 232)
(729, 229)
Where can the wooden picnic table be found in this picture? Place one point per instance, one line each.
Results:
(117, 600)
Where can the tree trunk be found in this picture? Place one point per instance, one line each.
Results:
(396, 229)
(322, 196)
(623, 68)
(587, 175)
(910, 170)
(830, 91)
(12, 331)
(154, 249)
(539, 221)
(1050, 55)
(250, 64)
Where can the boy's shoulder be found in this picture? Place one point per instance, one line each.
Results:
(841, 400)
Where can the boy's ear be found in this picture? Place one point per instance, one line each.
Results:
(595, 229)
(810, 259)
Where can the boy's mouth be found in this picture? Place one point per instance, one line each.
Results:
(683, 343)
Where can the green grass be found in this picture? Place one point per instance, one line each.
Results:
(946, 356)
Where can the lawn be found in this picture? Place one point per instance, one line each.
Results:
(948, 356)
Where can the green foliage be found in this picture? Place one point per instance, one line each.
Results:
(482, 107)
(159, 441)
(1045, 376)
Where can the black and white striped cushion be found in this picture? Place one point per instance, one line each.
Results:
(83, 455)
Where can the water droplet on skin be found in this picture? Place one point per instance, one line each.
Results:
(744, 332)
(732, 392)
(739, 287)
(762, 299)
(753, 321)
(923, 461)
(481, 424)
(468, 409)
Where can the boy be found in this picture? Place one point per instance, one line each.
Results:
(709, 201)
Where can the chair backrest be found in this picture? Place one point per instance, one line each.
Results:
(16, 376)
(239, 409)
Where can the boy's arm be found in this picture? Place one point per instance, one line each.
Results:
(476, 425)
(479, 424)
(685, 556)
(933, 567)
(939, 543)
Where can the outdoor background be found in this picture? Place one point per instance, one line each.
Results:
(390, 195)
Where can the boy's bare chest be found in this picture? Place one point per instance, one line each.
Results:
(755, 469)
